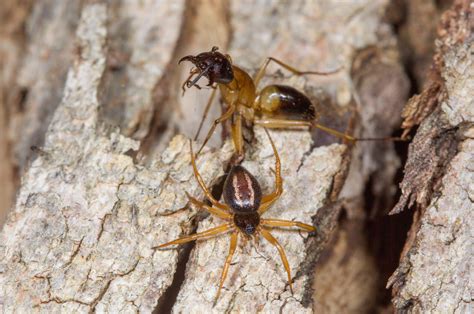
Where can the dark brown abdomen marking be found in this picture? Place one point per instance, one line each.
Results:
(242, 191)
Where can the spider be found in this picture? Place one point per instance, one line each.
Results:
(242, 212)
(274, 106)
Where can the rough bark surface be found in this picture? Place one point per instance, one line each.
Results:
(82, 233)
(42, 74)
(13, 15)
(141, 43)
(435, 270)
(96, 87)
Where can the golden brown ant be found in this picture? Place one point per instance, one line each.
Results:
(275, 106)
(242, 211)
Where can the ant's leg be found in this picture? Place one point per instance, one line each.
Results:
(282, 123)
(287, 223)
(206, 111)
(263, 68)
(269, 199)
(268, 236)
(291, 124)
(233, 245)
(215, 211)
(201, 181)
(335, 132)
(221, 119)
(355, 139)
(205, 234)
(237, 136)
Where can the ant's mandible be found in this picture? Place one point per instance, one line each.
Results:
(274, 106)
(242, 211)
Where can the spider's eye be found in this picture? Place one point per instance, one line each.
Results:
(249, 229)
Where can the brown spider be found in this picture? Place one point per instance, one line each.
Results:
(242, 211)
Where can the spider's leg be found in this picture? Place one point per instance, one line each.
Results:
(233, 245)
(286, 223)
(268, 200)
(213, 210)
(201, 181)
(268, 236)
(205, 234)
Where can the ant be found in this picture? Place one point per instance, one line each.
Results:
(242, 211)
(274, 106)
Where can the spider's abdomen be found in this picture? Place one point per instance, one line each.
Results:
(241, 191)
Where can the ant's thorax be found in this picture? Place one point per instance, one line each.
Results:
(241, 90)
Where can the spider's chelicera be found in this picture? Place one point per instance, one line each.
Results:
(242, 211)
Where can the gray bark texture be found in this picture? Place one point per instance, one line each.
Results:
(435, 271)
(97, 93)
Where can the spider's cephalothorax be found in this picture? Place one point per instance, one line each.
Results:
(242, 211)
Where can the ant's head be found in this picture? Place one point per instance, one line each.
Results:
(213, 65)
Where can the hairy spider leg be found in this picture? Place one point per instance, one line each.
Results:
(213, 232)
(233, 245)
(230, 111)
(215, 211)
(202, 184)
(206, 111)
(268, 200)
(263, 68)
(268, 236)
(286, 223)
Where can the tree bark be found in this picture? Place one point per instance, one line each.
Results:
(14, 15)
(434, 272)
(108, 178)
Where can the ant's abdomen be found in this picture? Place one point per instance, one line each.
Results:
(281, 101)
